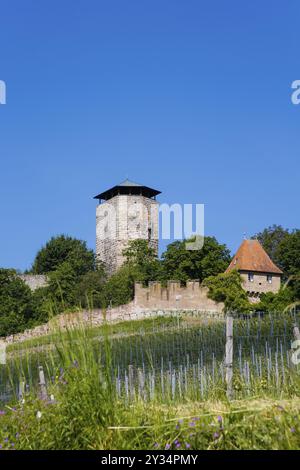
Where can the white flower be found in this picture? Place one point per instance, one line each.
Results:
(52, 397)
(39, 415)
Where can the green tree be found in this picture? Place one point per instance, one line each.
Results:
(270, 302)
(283, 246)
(227, 288)
(119, 288)
(143, 261)
(62, 249)
(288, 253)
(181, 264)
(16, 303)
(270, 238)
(62, 287)
(89, 291)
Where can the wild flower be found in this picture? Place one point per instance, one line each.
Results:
(187, 445)
(216, 435)
(168, 446)
(178, 445)
(2, 412)
(220, 420)
(293, 429)
(39, 415)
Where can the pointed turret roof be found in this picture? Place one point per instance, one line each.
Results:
(128, 187)
(252, 257)
(129, 183)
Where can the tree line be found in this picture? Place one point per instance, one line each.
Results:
(77, 281)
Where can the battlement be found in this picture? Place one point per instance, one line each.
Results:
(175, 296)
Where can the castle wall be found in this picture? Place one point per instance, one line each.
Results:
(34, 281)
(175, 296)
(260, 283)
(121, 219)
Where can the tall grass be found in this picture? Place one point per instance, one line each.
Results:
(157, 390)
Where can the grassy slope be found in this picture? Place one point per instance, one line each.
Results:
(248, 424)
(86, 414)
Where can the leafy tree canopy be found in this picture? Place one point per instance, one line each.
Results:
(270, 302)
(89, 292)
(288, 253)
(182, 264)
(62, 249)
(142, 260)
(16, 303)
(119, 288)
(283, 246)
(227, 288)
(270, 238)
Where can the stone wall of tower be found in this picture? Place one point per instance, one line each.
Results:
(121, 219)
(260, 284)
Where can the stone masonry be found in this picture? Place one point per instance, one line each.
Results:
(174, 296)
(121, 219)
(34, 281)
(260, 283)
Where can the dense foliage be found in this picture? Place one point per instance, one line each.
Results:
(227, 288)
(181, 264)
(64, 249)
(16, 303)
(283, 246)
(76, 281)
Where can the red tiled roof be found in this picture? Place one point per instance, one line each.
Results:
(252, 257)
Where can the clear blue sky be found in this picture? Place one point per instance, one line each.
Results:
(191, 97)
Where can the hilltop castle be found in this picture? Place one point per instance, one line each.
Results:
(130, 211)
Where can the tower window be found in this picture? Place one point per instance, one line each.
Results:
(269, 278)
(250, 277)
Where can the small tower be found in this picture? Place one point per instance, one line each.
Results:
(259, 273)
(126, 212)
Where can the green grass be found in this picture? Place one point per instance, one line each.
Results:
(118, 328)
(85, 411)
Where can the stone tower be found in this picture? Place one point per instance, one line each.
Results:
(259, 273)
(128, 211)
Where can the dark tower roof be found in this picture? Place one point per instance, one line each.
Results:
(128, 187)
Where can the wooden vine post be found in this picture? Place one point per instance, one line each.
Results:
(229, 356)
(42, 383)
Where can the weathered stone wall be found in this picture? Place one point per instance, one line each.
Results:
(96, 318)
(121, 219)
(260, 284)
(174, 296)
(34, 281)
